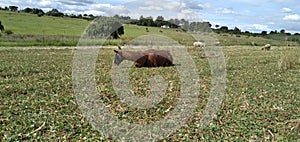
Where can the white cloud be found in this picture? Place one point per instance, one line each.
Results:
(188, 14)
(261, 27)
(158, 4)
(149, 8)
(195, 5)
(100, 6)
(205, 6)
(168, 9)
(94, 12)
(119, 10)
(286, 10)
(293, 17)
(255, 27)
(106, 9)
(45, 3)
(225, 11)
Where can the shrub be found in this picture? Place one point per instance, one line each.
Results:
(8, 32)
(40, 14)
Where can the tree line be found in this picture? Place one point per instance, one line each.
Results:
(54, 12)
(159, 22)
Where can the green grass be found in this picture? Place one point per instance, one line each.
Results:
(261, 101)
(37, 100)
(230, 39)
(16, 40)
(31, 30)
(134, 31)
(30, 24)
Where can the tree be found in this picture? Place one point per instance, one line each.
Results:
(264, 33)
(174, 21)
(273, 32)
(236, 30)
(54, 12)
(148, 21)
(6, 8)
(141, 17)
(1, 27)
(39, 12)
(36, 11)
(282, 31)
(224, 29)
(13, 8)
(160, 21)
(288, 34)
(247, 33)
(117, 16)
(27, 10)
(159, 18)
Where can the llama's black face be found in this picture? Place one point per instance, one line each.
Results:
(118, 57)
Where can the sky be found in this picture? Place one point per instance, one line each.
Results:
(247, 15)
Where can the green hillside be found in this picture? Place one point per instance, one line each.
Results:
(31, 30)
(30, 24)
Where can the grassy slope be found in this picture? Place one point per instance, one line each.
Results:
(53, 28)
(23, 23)
(228, 39)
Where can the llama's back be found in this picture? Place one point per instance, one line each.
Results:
(159, 58)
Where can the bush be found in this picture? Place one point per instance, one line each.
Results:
(8, 32)
(40, 14)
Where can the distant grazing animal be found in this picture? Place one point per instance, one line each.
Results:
(147, 58)
(217, 43)
(266, 47)
(199, 44)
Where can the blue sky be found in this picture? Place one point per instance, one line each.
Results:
(248, 15)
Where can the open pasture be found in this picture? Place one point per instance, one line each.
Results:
(261, 103)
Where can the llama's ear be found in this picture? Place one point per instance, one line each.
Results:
(119, 47)
(116, 51)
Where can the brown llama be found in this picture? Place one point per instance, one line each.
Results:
(147, 58)
(266, 47)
